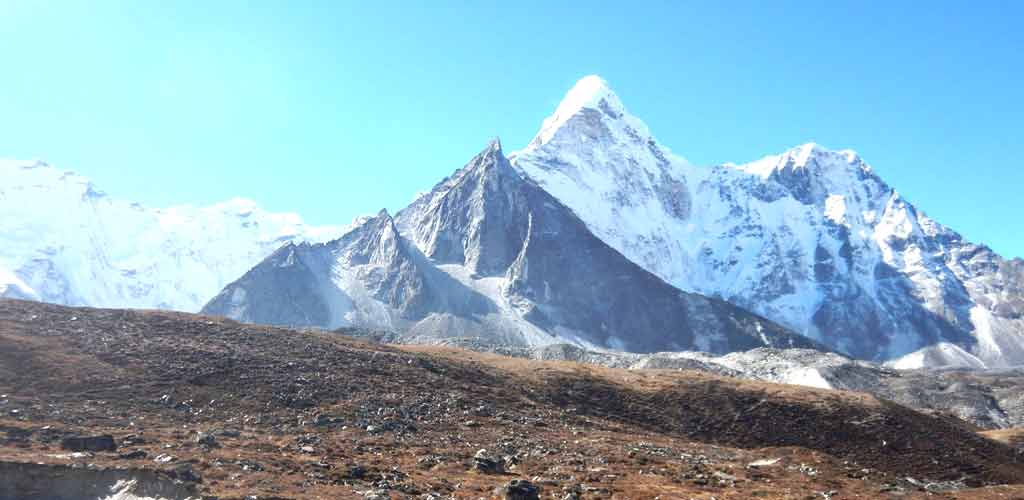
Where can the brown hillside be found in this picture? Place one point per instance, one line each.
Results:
(252, 410)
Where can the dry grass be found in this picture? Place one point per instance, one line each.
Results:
(615, 433)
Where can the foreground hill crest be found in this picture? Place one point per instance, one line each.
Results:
(196, 400)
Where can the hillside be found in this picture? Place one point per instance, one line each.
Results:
(231, 410)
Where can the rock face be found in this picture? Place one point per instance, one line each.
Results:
(490, 259)
(813, 239)
(65, 241)
(488, 464)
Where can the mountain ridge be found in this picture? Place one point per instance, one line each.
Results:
(811, 238)
(501, 261)
(66, 241)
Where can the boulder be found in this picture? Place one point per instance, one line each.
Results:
(488, 464)
(207, 440)
(89, 443)
(376, 495)
(519, 489)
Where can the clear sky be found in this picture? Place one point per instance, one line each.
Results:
(333, 109)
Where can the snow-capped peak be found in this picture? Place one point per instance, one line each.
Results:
(802, 154)
(590, 93)
(62, 240)
(797, 158)
(603, 162)
(812, 238)
(803, 158)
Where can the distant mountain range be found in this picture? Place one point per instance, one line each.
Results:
(65, 241)
(593, 234)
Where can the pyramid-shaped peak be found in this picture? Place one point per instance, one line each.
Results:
(590, 96)
(382, 222)
(494, 145)
(487, 158)
(490, 154)
(588, 92)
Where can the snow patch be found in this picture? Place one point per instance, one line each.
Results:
(12, 286)
(808, 377)
(942, 354)
(835, 209)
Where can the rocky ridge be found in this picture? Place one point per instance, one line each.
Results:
(488, 258)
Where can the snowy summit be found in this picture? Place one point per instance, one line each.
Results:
(590, 93)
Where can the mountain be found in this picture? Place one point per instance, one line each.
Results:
(487, 259)
(63, 240)
(811, 238)
(590, 234)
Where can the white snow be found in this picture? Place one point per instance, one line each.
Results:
(69, 243)
(124, 489)
(943, 354)
(750, 233)
(807, 377)
(13, 287)
(509, 313)
(590, 92)
(835, 209)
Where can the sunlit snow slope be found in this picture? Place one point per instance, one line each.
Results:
(63, 240)
(810, 238)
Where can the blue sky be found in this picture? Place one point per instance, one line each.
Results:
(333, 109)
